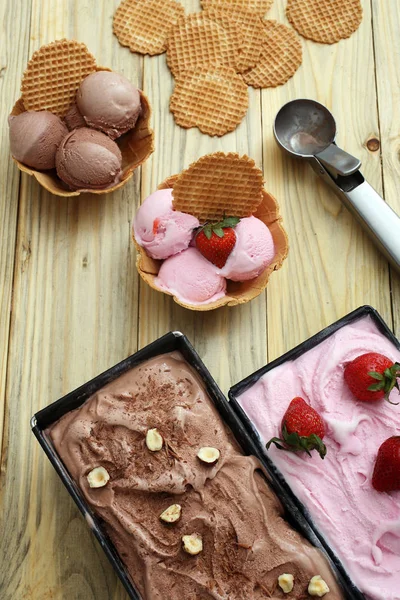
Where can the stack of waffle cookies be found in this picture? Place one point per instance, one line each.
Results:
(213, 55)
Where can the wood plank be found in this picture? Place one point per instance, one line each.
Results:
(15, 19)
(231, 341)
(332, 266)
(75, 314)
(386, 24)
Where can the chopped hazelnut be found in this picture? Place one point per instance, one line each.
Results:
(98, 477)
(318, 587)
(192, 544)
(154, 440)
(208, 455)
(171, 514)
(286, 582)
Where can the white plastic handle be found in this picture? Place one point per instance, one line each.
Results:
(381, 222)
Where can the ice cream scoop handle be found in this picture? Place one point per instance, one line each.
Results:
(379, 220)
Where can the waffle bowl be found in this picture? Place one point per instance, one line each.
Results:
(237, 292)
(50, 82)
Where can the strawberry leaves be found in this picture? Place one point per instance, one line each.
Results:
(218, 228)
(299, 443)
(386, 381)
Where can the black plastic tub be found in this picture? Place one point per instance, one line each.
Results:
(175, 341)
(259, 446)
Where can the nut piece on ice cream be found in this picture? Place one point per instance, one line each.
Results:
(161, 230)
(109, 102)
(98, 477)
(318, 587)
(154, 440)
(35, 137)
(172, 514)
(208, 455)
(192, 544)
(286, 582)
(253, 252)
(88, 159)
(191, 278)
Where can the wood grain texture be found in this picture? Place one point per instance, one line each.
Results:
(79, 307)
(75, 314)
(14, 19)
(386, 26)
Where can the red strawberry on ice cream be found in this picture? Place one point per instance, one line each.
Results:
(302, 429)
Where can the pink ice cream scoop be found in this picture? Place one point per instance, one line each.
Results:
(253, 252)
(161, 230)
(360, 524)
(191, 278)
(109, 102)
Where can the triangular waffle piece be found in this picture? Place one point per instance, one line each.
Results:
(251, 30)
(143, 25)
(214, 99)
(219, 184)
(259, 7)
(281, 56)
(325, 21)
(196, 42)
(53, 75)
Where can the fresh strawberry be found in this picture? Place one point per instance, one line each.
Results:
(386, 476)
(302, 429)
(372, 376)
(215, 241)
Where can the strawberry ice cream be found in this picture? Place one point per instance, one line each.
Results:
(161, 230)
(191, 278)
(361, 524)
(253, 252)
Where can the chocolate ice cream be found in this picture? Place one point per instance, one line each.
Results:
(188, 524)
(35, 137)
(88, 159)
(73, 118)
(109, 102)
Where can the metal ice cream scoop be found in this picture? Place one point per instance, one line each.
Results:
(306, 129)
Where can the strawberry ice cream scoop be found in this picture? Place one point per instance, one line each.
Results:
(253, 252)
(161, 230)
(191, 278)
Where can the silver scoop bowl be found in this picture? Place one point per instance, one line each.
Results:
(306, 129)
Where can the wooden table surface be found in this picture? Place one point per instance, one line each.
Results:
(71, 302)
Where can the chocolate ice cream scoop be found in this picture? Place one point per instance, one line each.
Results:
(88, 159)
(109, 102)
(73, 119)
(35, 137)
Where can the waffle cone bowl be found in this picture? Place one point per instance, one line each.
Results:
(267, 210)
(50, 82)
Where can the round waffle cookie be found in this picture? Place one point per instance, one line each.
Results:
(214, 99)
(325, 21)
(53, 75)
(143, 25)
(259, 7)
(196, 42)
(219, 184)
(250, 28)
(281, 56)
